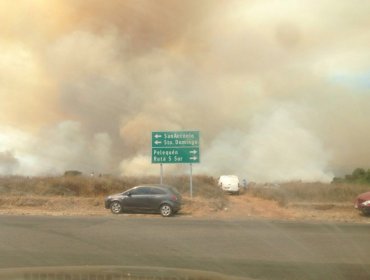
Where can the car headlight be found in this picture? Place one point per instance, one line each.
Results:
(366, 203)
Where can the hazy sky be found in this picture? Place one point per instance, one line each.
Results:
(279, 90)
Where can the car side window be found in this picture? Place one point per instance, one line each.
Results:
(140, 191)
(157, 191)
(135, 191)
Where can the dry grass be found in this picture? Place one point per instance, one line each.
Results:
(68, 193)
(52, 205)
(60, 186)
(82, 186)
(203, 186)
(80, 196)
(298, 192)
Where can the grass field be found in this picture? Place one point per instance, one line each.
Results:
(296, 192)
(66, 193)
(100, 186)
(83, 195)
(204, 187)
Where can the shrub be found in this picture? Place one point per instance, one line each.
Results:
(72, 173)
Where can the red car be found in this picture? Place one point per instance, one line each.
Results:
(362, 203)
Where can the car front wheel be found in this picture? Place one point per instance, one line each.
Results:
(166, 210)
(116, 207)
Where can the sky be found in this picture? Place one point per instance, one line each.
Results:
(279, 90)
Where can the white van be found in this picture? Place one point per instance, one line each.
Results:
(229, 183)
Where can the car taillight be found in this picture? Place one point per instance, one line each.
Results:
(173, 197)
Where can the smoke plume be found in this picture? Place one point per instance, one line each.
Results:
(279, 90)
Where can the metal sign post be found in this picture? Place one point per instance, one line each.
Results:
(191, 180)
(161, 173)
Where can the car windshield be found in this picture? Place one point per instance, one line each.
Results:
(185, 137)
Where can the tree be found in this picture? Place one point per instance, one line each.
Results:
(359, 173)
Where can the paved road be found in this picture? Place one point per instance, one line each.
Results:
(255, 248)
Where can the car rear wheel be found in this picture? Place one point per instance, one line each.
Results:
(116, 207)
(166, 210)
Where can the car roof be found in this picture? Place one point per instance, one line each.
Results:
(159, 186)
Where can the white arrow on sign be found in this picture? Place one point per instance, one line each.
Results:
(193, 158)
(158, 136)
(157, 142)
(194, 152)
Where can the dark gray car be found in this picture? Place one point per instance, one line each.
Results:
(146, 198)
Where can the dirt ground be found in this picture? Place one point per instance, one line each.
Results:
(243, 206)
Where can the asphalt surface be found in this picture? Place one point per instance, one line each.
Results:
(258, 249)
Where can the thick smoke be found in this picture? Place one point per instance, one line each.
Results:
(268, 152)
(278, 90)
(8, 163)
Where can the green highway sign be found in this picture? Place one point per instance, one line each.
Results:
(172, 139)
(175, 155)
(175, 147)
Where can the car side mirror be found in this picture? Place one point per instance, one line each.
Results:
(129, 194)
